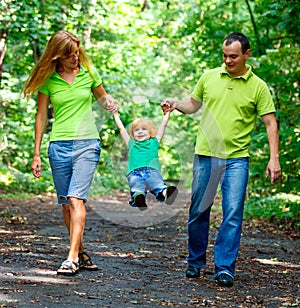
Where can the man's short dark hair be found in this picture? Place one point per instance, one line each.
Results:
(236, 36)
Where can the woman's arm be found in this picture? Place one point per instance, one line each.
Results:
(105, 100)
(39, 128)
(123, 132)
(162, 127)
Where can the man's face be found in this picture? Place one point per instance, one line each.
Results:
(234, 59)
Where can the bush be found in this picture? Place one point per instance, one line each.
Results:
(281, 207)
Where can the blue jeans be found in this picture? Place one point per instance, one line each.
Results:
(208, 172)
(142, 179)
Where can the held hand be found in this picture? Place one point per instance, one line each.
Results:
(110, 104)
(273, 170)
(36, 166)
(168, 105)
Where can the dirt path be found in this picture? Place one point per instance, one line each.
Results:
(141, 259)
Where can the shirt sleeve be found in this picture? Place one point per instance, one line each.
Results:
(265, 102)
(97, 80)
(44, 89)
(197, 93)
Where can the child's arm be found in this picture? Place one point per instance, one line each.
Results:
(162, 127)
(123, 131)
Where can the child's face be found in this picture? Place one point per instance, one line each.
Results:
(141, 134)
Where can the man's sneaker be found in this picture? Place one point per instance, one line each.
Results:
(192, 272)
(224, 280)
(171, 194)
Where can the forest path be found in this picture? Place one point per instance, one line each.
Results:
(141, 258)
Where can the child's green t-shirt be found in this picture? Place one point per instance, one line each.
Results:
(143, 154)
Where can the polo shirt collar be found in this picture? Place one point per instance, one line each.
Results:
(82, 70)
(246, 76)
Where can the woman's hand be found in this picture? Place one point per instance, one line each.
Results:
(36, 166)
(111, 104)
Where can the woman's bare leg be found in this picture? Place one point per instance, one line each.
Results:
(75, 218)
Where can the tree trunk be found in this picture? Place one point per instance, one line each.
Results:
(3, 35)
(260, 52)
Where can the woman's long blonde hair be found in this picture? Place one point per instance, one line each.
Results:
(143, 123)
(61, 45)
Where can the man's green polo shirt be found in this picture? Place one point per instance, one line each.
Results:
(230, 107)
(72, 105)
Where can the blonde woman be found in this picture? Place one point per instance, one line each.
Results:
(143, 173)
(65, 78)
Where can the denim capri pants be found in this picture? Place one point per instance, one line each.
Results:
(73, 163)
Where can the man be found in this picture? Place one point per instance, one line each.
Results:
(231, 97)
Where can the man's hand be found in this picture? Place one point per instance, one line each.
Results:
(273, 170)
(168, 105)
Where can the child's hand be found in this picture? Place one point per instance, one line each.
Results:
(167, 115)
(168, 105)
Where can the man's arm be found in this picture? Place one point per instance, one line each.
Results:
(187, 106)
(273, 168)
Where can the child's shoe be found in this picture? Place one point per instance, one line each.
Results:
(139, 200)
(171, 194)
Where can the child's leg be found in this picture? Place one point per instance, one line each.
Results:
(137, 185)
(156, 184)
(158, 187)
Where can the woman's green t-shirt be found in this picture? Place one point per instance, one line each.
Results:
(72, 105)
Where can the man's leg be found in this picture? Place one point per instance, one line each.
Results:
(205, 182)
(234, 182)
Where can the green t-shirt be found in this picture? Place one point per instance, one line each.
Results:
(72, 105)
(230, 107)
(143, 154)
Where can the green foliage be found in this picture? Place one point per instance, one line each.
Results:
(282, 77)
(17, 123)
(279, 208)
(14, 181)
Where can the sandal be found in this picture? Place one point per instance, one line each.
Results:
(85, 262)
(68, 268)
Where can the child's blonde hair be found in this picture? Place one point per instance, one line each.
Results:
(143, 123)
(61, 45)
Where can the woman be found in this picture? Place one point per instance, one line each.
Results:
(65, 78)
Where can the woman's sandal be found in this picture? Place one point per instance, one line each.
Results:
(68, 268)
(85, 262)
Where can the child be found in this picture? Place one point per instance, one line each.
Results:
(143, 171)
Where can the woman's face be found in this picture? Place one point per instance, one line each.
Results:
(70, 62)
(141, 133)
